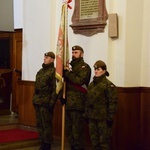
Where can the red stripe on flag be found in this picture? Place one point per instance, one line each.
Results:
(62, 53)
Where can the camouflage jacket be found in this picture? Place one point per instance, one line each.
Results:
(101, 99)
(45, 86)
(77, 80)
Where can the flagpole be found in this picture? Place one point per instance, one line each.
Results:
(62, 60)
(64, 82)
(63, 119)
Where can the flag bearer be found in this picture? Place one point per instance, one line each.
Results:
(77, 79)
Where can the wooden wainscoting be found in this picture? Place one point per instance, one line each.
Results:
(131, 128)
(25, 91)
(145, 119)
(26, 112)
(126, 128)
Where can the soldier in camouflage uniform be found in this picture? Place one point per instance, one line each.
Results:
(44, 100)
(77, 79)
(100, 107)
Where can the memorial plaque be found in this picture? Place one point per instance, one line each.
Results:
(88, 9)
(89, 17)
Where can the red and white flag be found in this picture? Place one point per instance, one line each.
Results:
(62, 53)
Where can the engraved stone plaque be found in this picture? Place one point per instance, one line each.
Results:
(89, 17)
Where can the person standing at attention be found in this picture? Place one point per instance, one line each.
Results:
(101, 106)
(44, 100)
(77, 78)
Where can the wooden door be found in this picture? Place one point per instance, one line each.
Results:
(15, 63)
(5, 72)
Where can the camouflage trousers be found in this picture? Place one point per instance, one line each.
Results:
(100, 134)
(75, 129)
(44, 123)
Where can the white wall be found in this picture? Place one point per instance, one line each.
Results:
(40, 36)
(18, 14)
(116, 47)
(125, 57)
(145, 63)
(133, 40)
(36, 35)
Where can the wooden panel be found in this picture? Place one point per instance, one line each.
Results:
(26, 110)
(17, 65)
(132, 120)
(15, 47)
(25, 91)
(57, 120)
(126, 128)
(145, 119)
(5, 91)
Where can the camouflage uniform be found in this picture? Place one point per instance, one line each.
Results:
(44, 101)
(77, 79)
(100, 108)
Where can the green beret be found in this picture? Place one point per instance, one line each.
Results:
(99, 64)
(50, 54)
(77, 47)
